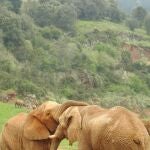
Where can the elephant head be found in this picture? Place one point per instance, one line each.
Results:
(71, 120)
(43, 121)
(70, 124)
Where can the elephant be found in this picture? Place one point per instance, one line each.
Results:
(29, 131)
(96, 128)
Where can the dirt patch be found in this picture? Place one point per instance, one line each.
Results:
(137, 52)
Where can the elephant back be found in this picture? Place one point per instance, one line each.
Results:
(126, 129)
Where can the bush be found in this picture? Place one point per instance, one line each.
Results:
(51, 33)
(65, 18)
(68, 92)
(132, 24)
(25, 87)
(126, 60)
(110, 50)
(7, 81)
(135, 102)
(138, 85)
(121, 89)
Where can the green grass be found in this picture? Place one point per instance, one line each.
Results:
(65, 146)
(87, 26)
(144, 44)
(8, 110)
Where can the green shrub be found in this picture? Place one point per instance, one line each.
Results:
(110, 50)
(132, 24)
(122, 89)
(136, 102)
(51, 33)
(68, 92)
(126, 61)
(25, 87)
(7, 81)
(138, 85)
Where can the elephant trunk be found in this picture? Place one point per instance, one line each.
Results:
(66, 105)
(55, 143)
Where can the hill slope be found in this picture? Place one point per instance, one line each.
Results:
(101, 59)
(48, 51)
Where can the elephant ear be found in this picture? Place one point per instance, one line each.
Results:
(71, 115)
(34, 129)
(71, 120)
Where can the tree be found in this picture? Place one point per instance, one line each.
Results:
(92, 11)
(139, 13)
(51, 33)
(42, 15)
(89, 9)
(113, 13)
(126, 60)
(6, 4)
(132, 24)
(16, 5)
(147, 24)
(65, 17)
(54, 13)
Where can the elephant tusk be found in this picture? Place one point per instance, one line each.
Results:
(52, 136)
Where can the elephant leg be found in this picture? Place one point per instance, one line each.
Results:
(54, 144)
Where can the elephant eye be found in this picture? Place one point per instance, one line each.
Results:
(48, 113)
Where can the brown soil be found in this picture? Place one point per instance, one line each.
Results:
(137, 52)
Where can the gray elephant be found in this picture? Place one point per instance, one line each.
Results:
(96, 128)
(31, 131)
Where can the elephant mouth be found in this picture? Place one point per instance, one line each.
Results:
(51, 131)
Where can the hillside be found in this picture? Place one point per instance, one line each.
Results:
(90, 64)
(73, 54)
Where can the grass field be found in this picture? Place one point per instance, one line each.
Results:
(9, 110)
(88, 26)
